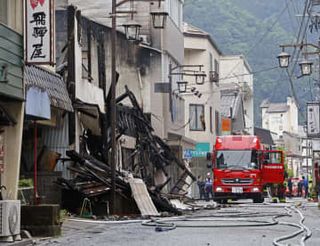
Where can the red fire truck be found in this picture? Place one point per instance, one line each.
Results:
(242, 169)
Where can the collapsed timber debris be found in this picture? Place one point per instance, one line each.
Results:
(151, 157)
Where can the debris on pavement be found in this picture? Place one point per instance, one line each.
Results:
(151, 157)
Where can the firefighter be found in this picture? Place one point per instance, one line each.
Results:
(306, 186)
(208, 187)
(201, 184)
(290, 187)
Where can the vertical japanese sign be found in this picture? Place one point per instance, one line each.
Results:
(313, 120)
(39, 31)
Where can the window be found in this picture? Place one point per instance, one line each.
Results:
(211, 120)
(4, 11)
(216, 66)
(211, 62)
(237, 159)
(197, 119)
(217, 123)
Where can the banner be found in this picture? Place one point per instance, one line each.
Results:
(39, 31)
(313, 120)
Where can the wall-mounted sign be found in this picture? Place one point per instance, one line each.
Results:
(39, 31)
(226, 126)
(201, 150)
(313, 120)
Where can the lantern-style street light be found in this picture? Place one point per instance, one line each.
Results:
(283, 58)
(182, 86)
(159, 19)
(305, 64)
(305, 67)
(132, 30)
(200, 77)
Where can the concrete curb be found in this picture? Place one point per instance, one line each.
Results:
(24, 242)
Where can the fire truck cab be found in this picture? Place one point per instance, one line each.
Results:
(241, 168)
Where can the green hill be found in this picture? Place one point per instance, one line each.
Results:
(254, 28)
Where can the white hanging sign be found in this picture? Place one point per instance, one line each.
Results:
(313, 120)
(39, 34)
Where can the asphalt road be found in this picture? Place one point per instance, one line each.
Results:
(238, 224)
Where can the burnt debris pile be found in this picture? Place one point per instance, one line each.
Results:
(148, 159)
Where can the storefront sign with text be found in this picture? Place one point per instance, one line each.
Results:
(39, 26)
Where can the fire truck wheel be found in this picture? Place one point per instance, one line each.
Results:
(258, 199)
(222, 201)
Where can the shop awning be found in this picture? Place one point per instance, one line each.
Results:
(51, 83)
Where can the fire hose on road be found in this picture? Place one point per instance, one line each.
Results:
(236, 218)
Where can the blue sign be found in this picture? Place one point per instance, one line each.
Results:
(201, 151)
(187, 154)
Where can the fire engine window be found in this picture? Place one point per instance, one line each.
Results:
(197, 118)
(244, 159)
(272, 158)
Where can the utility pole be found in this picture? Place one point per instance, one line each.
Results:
(113, 159)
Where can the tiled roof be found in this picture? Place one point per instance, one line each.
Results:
(277, 108)
(187, 28)
(52, 83)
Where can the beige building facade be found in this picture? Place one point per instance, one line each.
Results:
(202, 110)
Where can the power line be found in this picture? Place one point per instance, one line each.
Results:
(266, 33)
(301, 34)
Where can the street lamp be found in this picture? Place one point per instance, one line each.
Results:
(159, 19)
(283, 58)
(182, 86)
(305, 67)
(132, 30)
(200, 77)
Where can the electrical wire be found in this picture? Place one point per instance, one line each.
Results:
(296, 53)
(258, 42)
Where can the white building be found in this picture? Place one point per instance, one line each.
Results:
(202, 113)
(235, 72)
(280, 117)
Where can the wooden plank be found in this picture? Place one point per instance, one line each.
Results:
(7, 56)
(142, 198)
(15, 82)
(6, 44)
(10, 34)
(10, 91)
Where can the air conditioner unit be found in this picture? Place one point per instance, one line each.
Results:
(9, 220)
(144, 39)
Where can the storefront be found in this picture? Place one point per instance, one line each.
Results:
(11, 109)
(45, 132)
